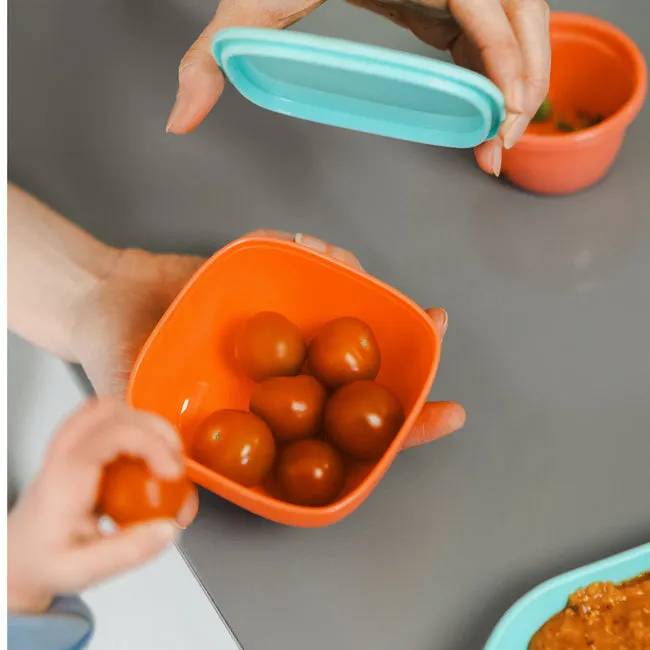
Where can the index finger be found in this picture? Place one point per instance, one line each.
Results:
(530, 20)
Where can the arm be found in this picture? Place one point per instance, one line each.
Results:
(53, 267)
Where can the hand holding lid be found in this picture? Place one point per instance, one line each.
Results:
(508, 39)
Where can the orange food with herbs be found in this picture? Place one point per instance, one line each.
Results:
(131, 494)
(602, 616)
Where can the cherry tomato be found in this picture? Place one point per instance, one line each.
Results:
(362, 419)
(344, 350)
(310, 473)
(270, 345)
(236, 444)
(291, 406)
(130, 493)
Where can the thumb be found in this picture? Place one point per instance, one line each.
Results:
(200, 81)
(120, 552)
(437, 419)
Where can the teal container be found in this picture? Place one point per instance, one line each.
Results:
(360, 87)
(515, 630)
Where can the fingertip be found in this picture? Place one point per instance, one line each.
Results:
(161, 531)
(188, 511)
(456, 417)
(483, 155)
(436, 420)
(439, 318)
(200, 85)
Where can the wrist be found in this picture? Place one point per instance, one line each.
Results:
(24, 596)
(23, 600)
(93, 275)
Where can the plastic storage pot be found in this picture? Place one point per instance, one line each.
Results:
(598, 70)
(187, 368)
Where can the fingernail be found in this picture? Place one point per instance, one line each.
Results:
(177, 108)
(515, 131)
(497, 156)
(313, 243)
(180, 102)
(445, 324)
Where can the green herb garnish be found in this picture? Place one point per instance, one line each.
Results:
(543, 112)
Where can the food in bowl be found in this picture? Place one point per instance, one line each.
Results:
(344, 350)
(187, 368)
(291, 406)
(363, 418)
(237, 444)
(270, 345)
(597, 72)
(549, 121)
(294, 413)
(602, 616)
(310, 473)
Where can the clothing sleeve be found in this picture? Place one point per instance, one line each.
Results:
(67, 625)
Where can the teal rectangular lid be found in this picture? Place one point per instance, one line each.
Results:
(360, 87)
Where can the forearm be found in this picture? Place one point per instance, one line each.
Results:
(53, 268)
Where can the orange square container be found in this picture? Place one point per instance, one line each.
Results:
(187, 368)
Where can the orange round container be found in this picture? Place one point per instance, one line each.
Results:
(187, 368)
(596, 70)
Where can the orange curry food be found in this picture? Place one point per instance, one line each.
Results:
(603, 616)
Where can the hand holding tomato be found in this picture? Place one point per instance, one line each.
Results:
(53, 539)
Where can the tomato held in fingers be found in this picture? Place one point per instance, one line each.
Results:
(362, 419)
(344, 350)
(236, 444)
(291, 406)
(130, 493)
(270, 345)
(310, 472)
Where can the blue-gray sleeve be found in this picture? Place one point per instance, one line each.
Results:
(67, 625)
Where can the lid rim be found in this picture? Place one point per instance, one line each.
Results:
(375, 62)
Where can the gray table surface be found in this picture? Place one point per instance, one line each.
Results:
(549, 305)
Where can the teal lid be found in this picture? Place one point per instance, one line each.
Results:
(360, 87)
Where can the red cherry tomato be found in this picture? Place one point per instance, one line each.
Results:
(362, 419)
(310, 472)
(291, 406)
(270, 345)
(130, 493)
(344, 350)
(236, 444)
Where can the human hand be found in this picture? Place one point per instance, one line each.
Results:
(506, 39)
(53, 539)
(114, 323)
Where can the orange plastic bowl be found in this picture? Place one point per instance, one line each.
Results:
(187, 368)
(596, 69)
